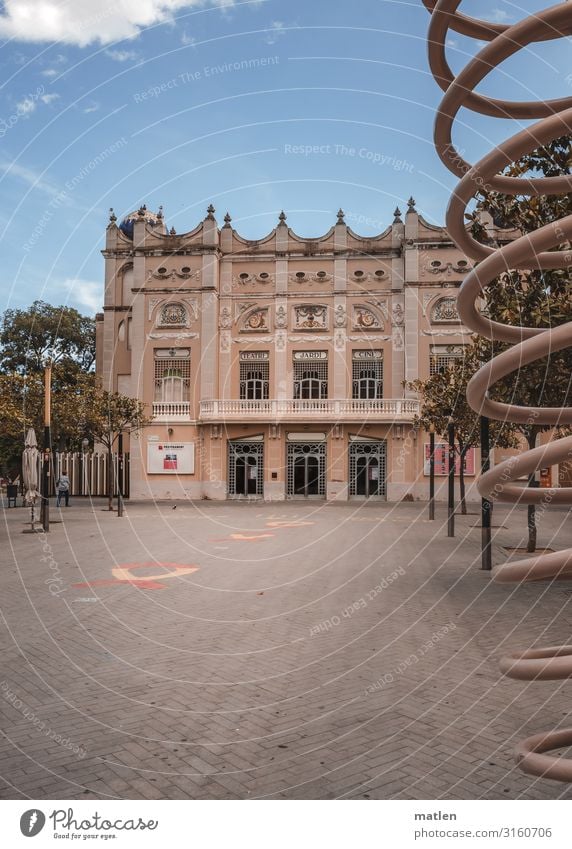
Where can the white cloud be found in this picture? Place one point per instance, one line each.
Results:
(83, 294)
(122, 55)
(276, 30)
(93, 107)
(26, 106)
(50, 72)
(88, 21)
(498, 16)
(30, 177)
(49, 98)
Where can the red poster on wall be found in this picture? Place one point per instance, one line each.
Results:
(442, 460)
(170, 461)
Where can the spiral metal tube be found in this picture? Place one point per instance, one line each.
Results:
(530, 344)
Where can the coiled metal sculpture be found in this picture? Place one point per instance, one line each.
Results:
(533, 250)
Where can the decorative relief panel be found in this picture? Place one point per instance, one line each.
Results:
(340, 316)
(184, 274)
(397, 315)
(308, 277)
(339, 339)
(173, 315)
(438, 267)
(368, 276)
(281, 339)
(177, 335)
(365, 319)
(445, 310)
(311, 317)
(256, 321)
(225, 318)
(281, 318)
(244, 278)
(224, 341)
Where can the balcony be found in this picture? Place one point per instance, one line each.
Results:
(310, 410)
(171, 411)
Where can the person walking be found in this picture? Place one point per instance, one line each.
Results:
(63, 487)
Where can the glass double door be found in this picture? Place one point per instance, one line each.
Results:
(368, 469)
(245, 468)
(307, 469)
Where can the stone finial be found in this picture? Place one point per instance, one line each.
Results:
(160, 213)
(411, 204)
(172, 232)
(282, 217)
(141, 211)
(210, 212)
(112, 215)
(227, 220)
(397, 214)
(341, 216)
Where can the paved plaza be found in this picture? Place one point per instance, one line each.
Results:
(297, 650)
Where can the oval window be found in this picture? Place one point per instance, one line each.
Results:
(162, 270)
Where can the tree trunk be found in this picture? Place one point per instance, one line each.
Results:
(109, 479)
(531, 510)
(462, 491)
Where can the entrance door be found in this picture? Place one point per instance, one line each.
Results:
(245, 468)
(307, 469)
(367, 469)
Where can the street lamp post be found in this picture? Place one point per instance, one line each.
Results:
(451, 476)
(120, 475)
(486, 505)
(47, 448)
(84, 447)
(432, 471)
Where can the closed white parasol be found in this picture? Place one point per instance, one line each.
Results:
(30, 467)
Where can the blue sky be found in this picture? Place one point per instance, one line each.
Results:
(330, 104)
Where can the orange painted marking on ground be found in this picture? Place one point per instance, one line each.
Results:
(243, 538)
(122, 574)
(284, 524)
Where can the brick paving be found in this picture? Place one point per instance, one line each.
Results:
(318, 651)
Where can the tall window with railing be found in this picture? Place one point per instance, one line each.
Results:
(311, 379)
(172, 378)
(254, 380)
(441, 356)
(367, 375)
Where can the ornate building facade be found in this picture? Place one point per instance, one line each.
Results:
(275, 368)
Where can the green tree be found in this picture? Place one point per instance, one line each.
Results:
(443, 395)
(22, 407)
(106, 415)
(43, 332)
(533, 298)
